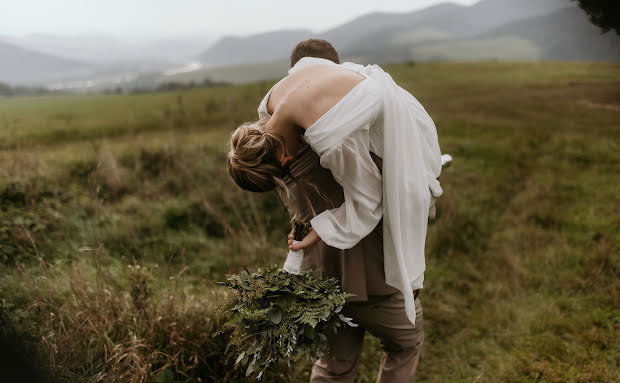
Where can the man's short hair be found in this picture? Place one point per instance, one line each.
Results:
(314, 48)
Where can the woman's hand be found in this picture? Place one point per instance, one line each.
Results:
(291, 237)
(310, 240)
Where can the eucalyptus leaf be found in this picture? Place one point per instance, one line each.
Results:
(240, 357)
(251, 367)
(244, 276)
(275, 316)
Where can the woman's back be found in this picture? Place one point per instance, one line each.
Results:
(309, 93)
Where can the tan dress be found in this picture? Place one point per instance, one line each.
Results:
(359, 269)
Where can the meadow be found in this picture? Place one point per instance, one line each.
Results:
(117, 217)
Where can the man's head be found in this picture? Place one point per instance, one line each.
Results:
(314, 48)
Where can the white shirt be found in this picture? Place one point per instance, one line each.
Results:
(378, 116)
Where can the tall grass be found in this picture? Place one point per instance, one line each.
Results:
(116, 320)
(117, 215)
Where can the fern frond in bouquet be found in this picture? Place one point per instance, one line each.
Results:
(300, 229)
(279, 316)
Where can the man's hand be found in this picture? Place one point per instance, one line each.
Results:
(310, 240)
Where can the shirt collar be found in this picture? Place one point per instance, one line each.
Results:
(309, 61)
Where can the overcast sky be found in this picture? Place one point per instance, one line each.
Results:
(157, 18)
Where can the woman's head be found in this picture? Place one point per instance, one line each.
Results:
(252, 159)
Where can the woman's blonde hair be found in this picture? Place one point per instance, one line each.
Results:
(252, 162)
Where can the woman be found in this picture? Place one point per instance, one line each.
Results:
(345, 112)
(374, 306)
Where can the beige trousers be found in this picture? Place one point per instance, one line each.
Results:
(385, 318)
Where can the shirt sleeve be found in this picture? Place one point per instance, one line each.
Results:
(353, 168)
(341, 139)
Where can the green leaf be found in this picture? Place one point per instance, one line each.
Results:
(275, 316)
(240, 357)
(244, 276)
(251, 367)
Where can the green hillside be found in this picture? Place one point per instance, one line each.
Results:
(235, 74)
(117, 215)
(501, 48)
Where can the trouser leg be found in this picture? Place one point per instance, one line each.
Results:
(386, 319)
(340, 364)
(401, 353)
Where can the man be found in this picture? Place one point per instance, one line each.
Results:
(314, 48)
(376, 306)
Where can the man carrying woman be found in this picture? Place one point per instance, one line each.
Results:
(357, 156)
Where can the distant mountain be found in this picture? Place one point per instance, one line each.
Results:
(21, 66)
(256, 48)
(459, 20)
(380, 37)
(91, 61)
(565, 35)
(373, 25)
(109, 50)
(443, 22)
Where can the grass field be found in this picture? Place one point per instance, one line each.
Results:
(117, 215)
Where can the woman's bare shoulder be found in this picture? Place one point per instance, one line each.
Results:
(307, 94)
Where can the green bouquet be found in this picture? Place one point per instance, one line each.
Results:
(278, 316)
